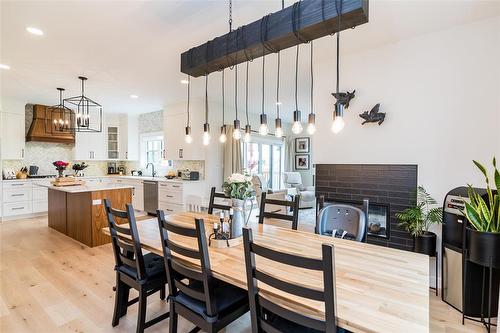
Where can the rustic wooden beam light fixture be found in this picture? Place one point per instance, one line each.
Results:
(285, 28)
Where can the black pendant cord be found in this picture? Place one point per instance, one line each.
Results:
(223, 100)
(263, 83)
(206, 99)
(188, 99)
(312, 79)
(296, 78)
(236, 90)
(339, 14)
(246, 93)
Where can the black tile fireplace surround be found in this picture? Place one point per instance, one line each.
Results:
(390, 185)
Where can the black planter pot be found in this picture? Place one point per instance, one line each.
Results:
(425, 243)
(484, 248)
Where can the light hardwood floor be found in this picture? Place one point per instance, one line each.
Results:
(51, 283)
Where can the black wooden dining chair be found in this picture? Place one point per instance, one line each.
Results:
(292, 205)
(268, 316)
(212, 204)
(144, 273)
(195, 294)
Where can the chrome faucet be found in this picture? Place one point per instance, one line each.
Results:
(153, 167)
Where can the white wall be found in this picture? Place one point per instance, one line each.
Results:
(441, 93)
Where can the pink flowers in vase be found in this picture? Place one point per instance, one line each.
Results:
(60, 166)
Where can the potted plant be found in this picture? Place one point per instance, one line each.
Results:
(418, 219)
(79, 167)
(483, 234)
(239, 188)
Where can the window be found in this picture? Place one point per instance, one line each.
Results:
(266, 157)
(151, 148)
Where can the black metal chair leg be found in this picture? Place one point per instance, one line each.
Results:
(125, 293)
(141, 316)
(118, 303)
(172, 325)
(162, 293)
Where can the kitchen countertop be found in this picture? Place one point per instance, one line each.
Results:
(87, 188)
(157, 178)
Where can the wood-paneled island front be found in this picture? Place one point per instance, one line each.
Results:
(78, 211)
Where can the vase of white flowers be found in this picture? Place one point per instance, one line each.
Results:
(238, 187)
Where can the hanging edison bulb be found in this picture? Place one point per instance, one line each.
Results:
(237, 130)
(279, 130)
(188, 136)
(223, 134)
(206, 134)
(311, 124)
(338, 119)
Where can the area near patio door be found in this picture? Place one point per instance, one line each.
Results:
(267, 159)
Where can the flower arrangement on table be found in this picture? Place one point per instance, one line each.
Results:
(78, 167)
(60, 166)
(238, 188)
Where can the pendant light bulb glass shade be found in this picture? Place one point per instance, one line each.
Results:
(223, 134)
(338, 119)
(311, 124)
(263, 129)
(206, 134)
(279, 130)
(297, 123)
(248, 133)
(237, 130)
(188, 137)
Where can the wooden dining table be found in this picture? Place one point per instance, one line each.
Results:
(378, 289)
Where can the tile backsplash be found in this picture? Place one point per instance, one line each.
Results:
(42, 154)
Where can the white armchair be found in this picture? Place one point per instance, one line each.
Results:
(260, 186)
(307, 193)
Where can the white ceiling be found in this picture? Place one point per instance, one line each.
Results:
(132, 47)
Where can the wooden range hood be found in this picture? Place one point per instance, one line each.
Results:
(41, 128)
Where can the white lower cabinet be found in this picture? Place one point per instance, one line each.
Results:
(174, 197)
(17, 198)
(17, 208)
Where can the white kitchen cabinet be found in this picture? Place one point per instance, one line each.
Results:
(17, 197)
(174, 137)
(13, 136)
(91, 145)
(177, 196)
(128, 137)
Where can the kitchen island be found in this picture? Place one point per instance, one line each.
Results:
(78, 211)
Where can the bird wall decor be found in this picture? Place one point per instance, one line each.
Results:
(344, 98)
(373, 116)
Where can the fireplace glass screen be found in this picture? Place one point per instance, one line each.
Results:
(377, 220)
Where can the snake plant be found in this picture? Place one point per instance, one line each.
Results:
(485, 217)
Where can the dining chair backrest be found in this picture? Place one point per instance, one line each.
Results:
(292, 205)
(178, 271)
(349, 219)
(261, 307)
(212, 204)
(125, 241)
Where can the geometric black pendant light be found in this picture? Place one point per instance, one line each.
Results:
(87, 113)
(59, 117)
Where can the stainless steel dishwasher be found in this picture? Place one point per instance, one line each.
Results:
(150, 196)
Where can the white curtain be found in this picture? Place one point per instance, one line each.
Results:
(233, 157)
(289, 154)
